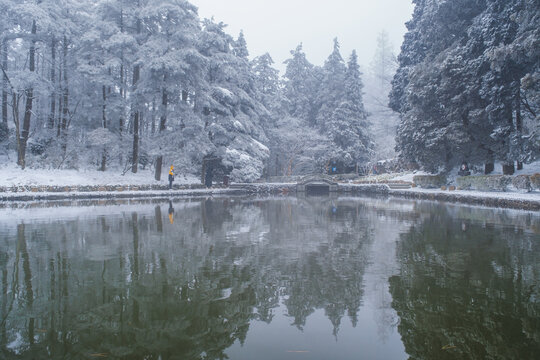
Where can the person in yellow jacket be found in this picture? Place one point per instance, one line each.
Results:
(171, 177)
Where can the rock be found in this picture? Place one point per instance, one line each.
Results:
(522, 182)
(535, 181)
(484, 182)
(429, 181)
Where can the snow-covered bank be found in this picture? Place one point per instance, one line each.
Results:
(529, 201)
(12, 175)
(41, 185)
(514, 200)
(82, 195)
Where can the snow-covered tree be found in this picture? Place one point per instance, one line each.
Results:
(459, 85)
(300, 86)
(378, 86)
(267, 82)
(230, 106)
(331, 90)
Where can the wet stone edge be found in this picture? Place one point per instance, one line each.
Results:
(35, 193)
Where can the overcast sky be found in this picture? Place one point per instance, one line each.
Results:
(278, 26)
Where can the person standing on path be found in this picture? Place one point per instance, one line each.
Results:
(171, 177)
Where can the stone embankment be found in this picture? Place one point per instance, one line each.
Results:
(31, 193)
(499, 200)
(111, 192)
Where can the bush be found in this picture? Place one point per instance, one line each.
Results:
(522, 182)
(429, 181)
(485, 182)
(535, 181)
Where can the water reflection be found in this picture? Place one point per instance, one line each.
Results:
(211, 278)
(468, 289)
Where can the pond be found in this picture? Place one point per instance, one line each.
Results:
(268, 278)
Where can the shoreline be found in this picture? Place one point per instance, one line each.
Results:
(516, 201)
(519, 201)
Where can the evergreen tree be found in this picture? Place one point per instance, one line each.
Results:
(267, 82)
(459, 88)
(378, 86)
(232, 111)
(331, 91)
(348, 126)
(300, 86)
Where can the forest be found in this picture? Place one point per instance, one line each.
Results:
(131, 84)
(121, 85)
(467, 86)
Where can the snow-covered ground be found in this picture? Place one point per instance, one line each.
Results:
(509, 195)
(528, 169)
(12, 175)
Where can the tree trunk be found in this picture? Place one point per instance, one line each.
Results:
(29, 103)
(509, 169)
(16, 118)
(159, 165)
(65, 98)
(203, 174)
(52, 114)
(135, 157)
(162, 126)
(104, 124)
(136, 118)
(519, 123)
(136, 112)
(489, 168)
(4, 125)
(122, 82)
(59, 93)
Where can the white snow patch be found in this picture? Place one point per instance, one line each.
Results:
(12, 175)
(261, 145)
(16, 344)
(238, 125)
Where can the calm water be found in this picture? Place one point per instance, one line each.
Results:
(281, 278)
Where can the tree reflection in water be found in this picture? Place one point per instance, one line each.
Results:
(125, 282)
(468, 289)
(131, 285)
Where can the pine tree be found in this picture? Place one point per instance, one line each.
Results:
(300, 86)
(331, 92)
(232, 112)
(348, 126)
(173, 70)
(379, 84)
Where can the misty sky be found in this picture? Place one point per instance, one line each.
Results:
(278, 26)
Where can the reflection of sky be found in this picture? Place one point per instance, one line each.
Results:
(282, 340)
(374, 337)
